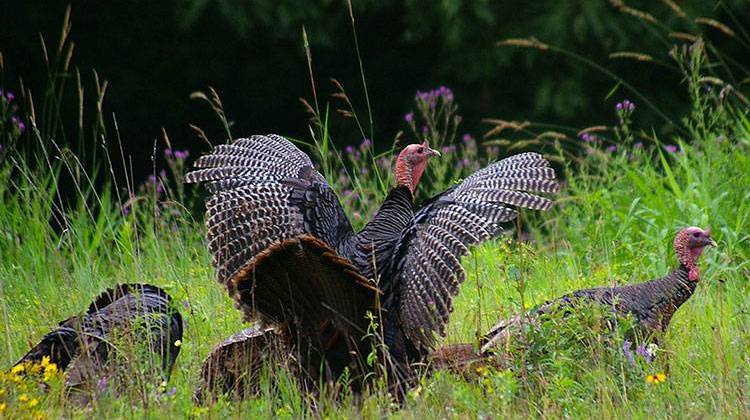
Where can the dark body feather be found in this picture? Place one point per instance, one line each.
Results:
(82, 345)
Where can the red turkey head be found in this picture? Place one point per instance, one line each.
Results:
(411, 162)
(689, 244)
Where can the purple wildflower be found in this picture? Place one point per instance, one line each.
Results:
(638, 145)
(467, 138)
(425, 130)
(172, 391)
(21, 126)
(10, 96)
(364, 171)
(611, 149)
(409, 118)
(643, 352)
(445, 93)
(347, 192)
(465, 162)
(181, 154)
(448, 149)
(168, 153)
(625, 105)
(125, 210)
(670, 148)
(349, 149)
(588, 137)
(628, 354)
(102, 384)
(366, 143)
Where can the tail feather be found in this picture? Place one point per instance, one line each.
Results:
(60, 346)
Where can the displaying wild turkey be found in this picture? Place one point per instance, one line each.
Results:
(138, 314)
(286, 252)
(234, 367)
(651, 304)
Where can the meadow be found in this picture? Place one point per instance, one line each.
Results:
(626, 191)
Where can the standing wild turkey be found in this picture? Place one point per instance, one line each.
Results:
(138, 314)
(651, 304)
(286, 252)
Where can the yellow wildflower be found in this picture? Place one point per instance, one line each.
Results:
(2, 407)
(656, 378)
(18, 369)
(34, 368)
(45, 361)
(38, 415)
(49, 371)
(178, 343)
(33, 403)
(23, 398)
(198, 411)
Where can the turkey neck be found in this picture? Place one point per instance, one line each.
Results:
(655, 301)
(408, 174)
(371, 248)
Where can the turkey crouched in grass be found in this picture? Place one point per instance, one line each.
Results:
(235, 366)
(101, 350)
(288, 255)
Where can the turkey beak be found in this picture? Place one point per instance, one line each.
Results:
(430, 152)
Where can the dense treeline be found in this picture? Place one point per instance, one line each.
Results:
(154, 54)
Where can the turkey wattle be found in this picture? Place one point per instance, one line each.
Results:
(287, 253)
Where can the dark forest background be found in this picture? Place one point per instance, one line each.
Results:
(155, 53)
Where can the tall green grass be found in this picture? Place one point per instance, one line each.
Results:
(613, 224)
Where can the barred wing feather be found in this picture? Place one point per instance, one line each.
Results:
(265, 190)
(276, 231)
(430, 249)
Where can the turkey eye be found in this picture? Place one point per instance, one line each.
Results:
(696, 234)
(420, 150)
